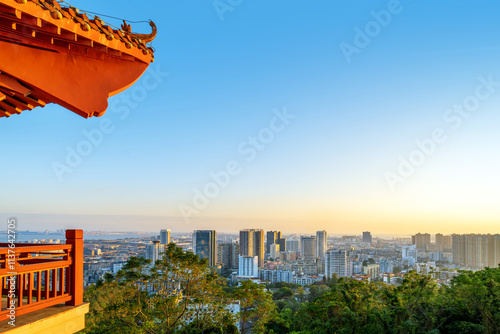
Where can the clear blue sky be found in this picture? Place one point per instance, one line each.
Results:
(333, 166)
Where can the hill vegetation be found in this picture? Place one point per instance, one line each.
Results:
(181, 294)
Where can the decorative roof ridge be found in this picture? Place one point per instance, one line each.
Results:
(125, 34)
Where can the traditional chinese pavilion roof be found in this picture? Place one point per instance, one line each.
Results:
(52, 53)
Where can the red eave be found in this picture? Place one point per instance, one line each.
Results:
(54, 24)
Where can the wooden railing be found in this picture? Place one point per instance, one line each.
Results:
(36, 276)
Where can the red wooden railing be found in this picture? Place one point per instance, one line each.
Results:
(45, 275)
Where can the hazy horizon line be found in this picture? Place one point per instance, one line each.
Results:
(153, 224)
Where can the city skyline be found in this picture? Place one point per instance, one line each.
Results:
(152, 224)
(278, 116)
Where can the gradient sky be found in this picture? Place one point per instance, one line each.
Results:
(326, 169)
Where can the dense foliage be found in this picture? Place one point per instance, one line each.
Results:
(471, 304)
(178, 294)
(181, 294)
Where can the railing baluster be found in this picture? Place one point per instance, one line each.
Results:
(54, 282)
(30, 288)
(39, 286)
(61, 281)
(47, 282)
(20, 289)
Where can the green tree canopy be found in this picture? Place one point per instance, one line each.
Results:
(256, 306)
(179, 293)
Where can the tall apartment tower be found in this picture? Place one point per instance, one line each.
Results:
(164, 237)
(228, 253)
(476, 250)
(282, 243)
(443, 243)
(447, 243)
(458, 249)
(293, 245)
(246, 242)
(272, 237)
(367, 238)
(308, 247)
(439, 242)
(321, 243)
(421, 240)
(205, 245)
(252, 244)
(494, 250)
(337, 262)
(274, 252)
(155, 251)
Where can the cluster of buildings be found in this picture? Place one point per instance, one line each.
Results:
(156, 250)
(108, 256)
(476, 250)
(271, 257)
(465, 251)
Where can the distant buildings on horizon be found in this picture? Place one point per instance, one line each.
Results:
(255, 253)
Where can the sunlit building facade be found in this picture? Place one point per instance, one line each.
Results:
(205, 245)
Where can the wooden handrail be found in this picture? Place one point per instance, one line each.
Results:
(26, 248)
(45, 280)
(53, 256)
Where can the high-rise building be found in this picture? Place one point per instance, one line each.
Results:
(258, 246)
(246, 242)
(458, 249)
(493, 250)
(421, 240)
(476, 250)
(321, 243)
(272, 237)
(439, 242)
(293, 245)
(164, 237)
(155, 251)
(228, 253)
(248, 266)
(282, 243)
(274, 251)
(443, 243)
(252, 244)
(205, 245)
(337, 261)
(308, 247)
(367, 238)
(447, 243)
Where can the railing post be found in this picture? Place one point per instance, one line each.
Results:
(75, 238)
